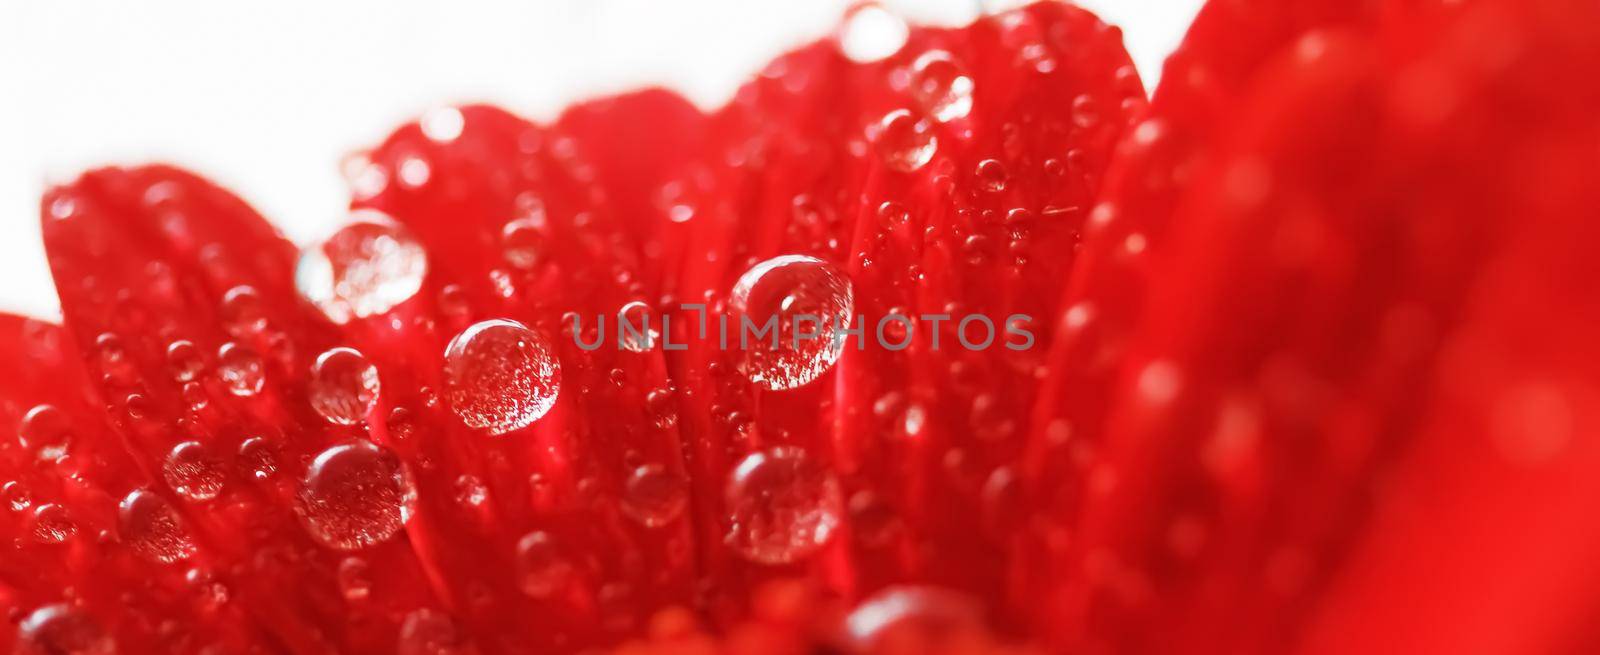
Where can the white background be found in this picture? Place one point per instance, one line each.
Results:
(265, 97)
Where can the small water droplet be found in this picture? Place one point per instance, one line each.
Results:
(500, 376)
(52, 524)
(782, 506)
(60, 629)
(258, 457)
(16, 496)
(992, 175)
(192, 472)
(184, 361)
(240, 370)
(47, 431)
(1085, 112)
(365, 269)
(356, 495)
(941, 86)
(793, 293)
(430, 632)
(542, 567)
(153, 529)
(523, 243)
(355, 579)
(344, 386)
(654, 496)
(904, 141)
(637, 327)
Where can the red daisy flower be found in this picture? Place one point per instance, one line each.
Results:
(1296, 357)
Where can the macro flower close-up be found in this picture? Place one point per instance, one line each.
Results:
(951, 339)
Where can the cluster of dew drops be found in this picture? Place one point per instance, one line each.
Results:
(500, 376)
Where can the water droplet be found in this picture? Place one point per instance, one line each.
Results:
(523, 242)
(240, 370)
(793, 293)
(782, 506)
(941, 86)
(364, 269)
(192, 472)
(500, 376)
(542, 567)
(258, 457)
(184, 361)
(1085, 112)
(871, 33)
(637, 327)
(356, 495)
(355, 579)
(992, 175)
(52, 524)
(914, 617)
(16, 496)
(430, 632)
(904, 141)
(654, 496)
(344, 386)
(47, 431)
(471, 492)
(62, 630)
(153, 529)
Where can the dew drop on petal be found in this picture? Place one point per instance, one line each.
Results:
(355, 579)
(47, 431)
(904, 141)
(258, 458)
(431, 632)
(16, 496)
(637, 327)
(240, 369)
(52, 524)
(365, 269)
(941, 86)
(911, 616)
(500, 376)
(992, 175)
(192, 472)
(795, 293)
(782, 506)
(344, 386)
(61, 629)
(654, 496)
(153, 529)
(523, 244)
(184, 361)
(542, 567)
(356, 495)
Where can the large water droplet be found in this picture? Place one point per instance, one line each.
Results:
(53, 524)
(364, 269)
(797, 293)
(904, 141)
(356, 495)
(782, 506)
(344, 386)
(153, 529)
(941, 86)
(500, 376)
(192, 472)
(654, 496)
(61, 629)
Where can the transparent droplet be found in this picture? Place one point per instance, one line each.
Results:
(542, 567)
(799, 296)
(500, 376)
(782, 506)
(654, 496)
(523, 243)
(46, 431)
(355, 579)
(364, 269)
(258, 458)
(16, 496)
(240, 370)
(184, 361)
(356, 495)
(192, 472)
(992, 175)
(637, 327)
(344, 386)
(153, 529)
(53, 524)
(60, 629)
(430, 632)
(941, 86)
(1085, 112)
(912, 617)
(871, 33)
(904, 141)
(471, 492)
